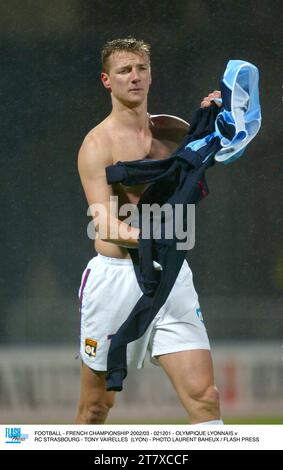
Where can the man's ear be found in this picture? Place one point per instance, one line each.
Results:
(105, 80)
(150, 78)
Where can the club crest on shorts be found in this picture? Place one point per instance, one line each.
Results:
(90, 347)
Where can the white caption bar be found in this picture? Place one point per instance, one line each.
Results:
(138, 437)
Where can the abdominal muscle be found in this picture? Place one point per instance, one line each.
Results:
(110, 249)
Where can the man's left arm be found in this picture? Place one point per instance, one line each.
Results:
(169, 127)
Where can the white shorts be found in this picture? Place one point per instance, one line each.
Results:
(108, 293)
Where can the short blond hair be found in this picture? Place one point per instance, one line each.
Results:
(118, 45)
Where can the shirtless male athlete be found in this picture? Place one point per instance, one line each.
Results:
(177, 338)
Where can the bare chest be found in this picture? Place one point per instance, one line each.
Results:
(151, 149)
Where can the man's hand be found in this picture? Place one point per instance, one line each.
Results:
(207, 100)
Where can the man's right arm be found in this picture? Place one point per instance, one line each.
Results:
(93, 158)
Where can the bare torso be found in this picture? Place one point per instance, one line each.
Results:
(164, 135)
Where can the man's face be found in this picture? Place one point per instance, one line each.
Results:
(128, 77)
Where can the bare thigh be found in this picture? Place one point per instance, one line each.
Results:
(191, 372)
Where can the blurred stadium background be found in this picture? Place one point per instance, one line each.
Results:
(50, 98)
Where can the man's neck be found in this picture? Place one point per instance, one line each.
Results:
(136, 119)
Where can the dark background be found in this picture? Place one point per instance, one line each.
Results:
(51, 96)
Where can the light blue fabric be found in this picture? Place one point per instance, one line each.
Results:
(241, 111)
(239, 87)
